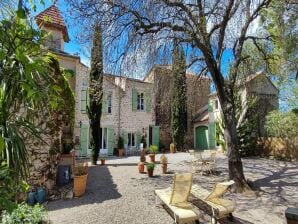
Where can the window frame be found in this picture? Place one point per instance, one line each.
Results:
(110, 104)
(131, 139)
(140, 101)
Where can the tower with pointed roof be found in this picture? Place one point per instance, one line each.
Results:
(51, 21)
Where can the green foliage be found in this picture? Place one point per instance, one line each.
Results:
(25, 214)
(219, 136)
(96, 91)
(9, 189)
(153, 149)
(120, 143)
(179, 99)
(30, 83)
(282, 124)
(150, 166)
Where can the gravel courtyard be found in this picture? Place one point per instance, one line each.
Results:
(117, 193)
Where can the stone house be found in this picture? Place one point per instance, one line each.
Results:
(198, 89)
(257, 86)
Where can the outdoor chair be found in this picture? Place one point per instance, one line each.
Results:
(200, 161)
(220, 208)
(175, 199)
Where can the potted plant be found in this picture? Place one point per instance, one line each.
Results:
(153, 151)
(164, 163)
(150, 169)
(172, 148)
(102, 161)
(120, 146)
(80, 179)
(141, 167)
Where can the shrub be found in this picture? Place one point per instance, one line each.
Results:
(153, 149)
(25, 214)
(282, 124)
(120, 143)
(150, 166)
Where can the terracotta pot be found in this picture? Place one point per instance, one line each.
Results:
(150, 173)
(141, 167)
(102, 162)
(79, 185)
(164, 168)
(152, 158)
(172, 148)
(121, 152)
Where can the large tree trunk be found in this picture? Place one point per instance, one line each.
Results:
(234, 159)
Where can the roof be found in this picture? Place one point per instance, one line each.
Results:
(169, 68)
(52, 17)
(201, 115)
(65, 54)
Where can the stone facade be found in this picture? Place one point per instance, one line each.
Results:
(198, 89)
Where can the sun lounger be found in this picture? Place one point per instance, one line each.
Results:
(175, 199)
(220, 207)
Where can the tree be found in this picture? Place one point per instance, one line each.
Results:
(209, 29)
(178, 99)
(30, 84)
(96, 91)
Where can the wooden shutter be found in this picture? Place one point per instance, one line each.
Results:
(155, 134)
(210, 105)
(211, 130)
(138, 138)
(84, 94)
(84, 139)
(111, 140)
(104, 107)
(148, 101)
(134, 99)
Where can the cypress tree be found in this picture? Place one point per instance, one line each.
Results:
(96, 92)
(179, 99)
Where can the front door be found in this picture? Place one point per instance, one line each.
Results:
(201, 137)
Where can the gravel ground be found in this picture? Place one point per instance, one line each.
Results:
(117, 193)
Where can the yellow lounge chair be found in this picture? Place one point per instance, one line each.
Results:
(175, 199)
(220, 207)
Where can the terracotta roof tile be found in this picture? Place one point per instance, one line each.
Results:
(52, 16)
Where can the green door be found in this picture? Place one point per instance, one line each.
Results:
(111, 141)
(155, 135)
(201, 137)
(84, 139)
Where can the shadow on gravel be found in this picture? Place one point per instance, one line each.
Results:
(100, 187)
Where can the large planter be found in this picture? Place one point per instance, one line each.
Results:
(164, 168)
(141, 167)
(150, 172)
(102, 162)
(121, 152)
(152, 158)
(172, 148)
(79, 185)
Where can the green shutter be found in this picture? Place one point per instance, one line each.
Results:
(138, 138)
(211, 130)
(104, 108)
(210, 105)
(148, 101)
(84, 138)
(84, 94)
(125, 137)
(134, 99)
(155, 134)
(111, 141)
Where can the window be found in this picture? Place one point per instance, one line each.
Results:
(131, 139)
(110, 103)
(216, 104)
(140, 102)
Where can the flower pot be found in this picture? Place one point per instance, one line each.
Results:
(141, 167)
(150, 172)
(172, 148)
(121, 152)
(152, 158)
(102, 161)
(79, 185)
